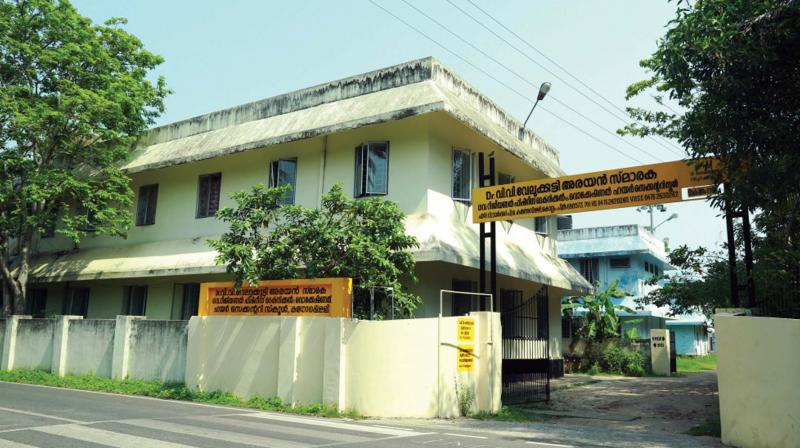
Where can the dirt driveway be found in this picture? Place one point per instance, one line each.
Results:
(668, 404)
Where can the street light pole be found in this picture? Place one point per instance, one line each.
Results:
(543, 89)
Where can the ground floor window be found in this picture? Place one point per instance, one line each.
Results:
(462, 303)
(190, 299)
(134, 302)
(36, 302)
(76, 302)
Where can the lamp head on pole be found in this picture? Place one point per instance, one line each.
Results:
(543, 89)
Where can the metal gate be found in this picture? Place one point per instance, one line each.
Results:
(526, 347)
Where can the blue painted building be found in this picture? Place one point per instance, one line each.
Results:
(693, 335)
(628, 253)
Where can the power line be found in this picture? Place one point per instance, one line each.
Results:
(525, 80)
(510, 88)
(623, 119)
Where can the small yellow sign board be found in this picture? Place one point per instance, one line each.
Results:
(628, 187)
(466, 329)
(466, 357)
(327, 297)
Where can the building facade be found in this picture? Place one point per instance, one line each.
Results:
(410, 133)
(629, 254)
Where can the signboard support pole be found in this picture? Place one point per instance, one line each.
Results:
(748, 259)
(732, 255)
(487, 179)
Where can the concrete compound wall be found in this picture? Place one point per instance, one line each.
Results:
(34, 345)
(377, 368)
(759, 385)
(90, 347)
(386, 368)
(158, 350)
(122, 348)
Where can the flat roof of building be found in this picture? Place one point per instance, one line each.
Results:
(412, 88)
(611, 241)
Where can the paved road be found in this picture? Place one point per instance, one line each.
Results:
(35, 416)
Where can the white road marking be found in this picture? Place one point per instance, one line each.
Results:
(334, 424)
(390, 427)
(216, 434)
(464, 435)
(36, 414)
(9, 444)
(109, 438)
(552, 444)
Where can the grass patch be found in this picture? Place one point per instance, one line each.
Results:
(169, 391)
(516, 414)
(711, 427)
(697, 363)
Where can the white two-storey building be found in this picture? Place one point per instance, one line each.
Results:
(417, 126)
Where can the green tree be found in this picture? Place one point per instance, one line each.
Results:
(359, 238)
(73, 97)
(731, 66)
(599, 320)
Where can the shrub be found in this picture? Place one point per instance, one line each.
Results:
(622, 361)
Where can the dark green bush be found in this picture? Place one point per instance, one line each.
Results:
(622, 361)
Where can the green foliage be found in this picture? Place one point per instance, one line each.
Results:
(169, 391)
(697, 363)
(73, 97)
(631, 333)
(359, 238)
(518, 414)
(465, 396)
(711, 427)
(600, 321)
(731, 65)
(623, 361)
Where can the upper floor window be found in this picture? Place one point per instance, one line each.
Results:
(372, 169)
(134, 301)
(589, 269)
(541, 225)
(505, 178)
(463, 303)
(146, 205)
(619, 262)
(284, 172)
(462, 175)
(208, 189)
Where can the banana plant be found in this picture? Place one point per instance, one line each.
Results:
(600, 320)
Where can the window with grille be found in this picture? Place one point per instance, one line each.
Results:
(208, 190)
(372, 169)
(589, 269)
(36, 302)
(284, 172)
(76, 302)
(462, 175)
(619, 262)
(190, 300)
(134, 302)
(540, 225)
(146, 205)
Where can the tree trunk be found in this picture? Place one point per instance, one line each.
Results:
(7, 299)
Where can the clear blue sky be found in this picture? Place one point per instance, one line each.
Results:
(220, 54)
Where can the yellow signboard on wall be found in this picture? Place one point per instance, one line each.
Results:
(466, 329)
(327, 297)
(658, 183)
(466, 357)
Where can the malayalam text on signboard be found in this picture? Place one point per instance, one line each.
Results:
(466, 358)
(329, 297)
(628, 187)
(466, 329)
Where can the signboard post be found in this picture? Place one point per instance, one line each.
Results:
(326, 297)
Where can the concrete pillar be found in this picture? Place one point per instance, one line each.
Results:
(659, 351)
(333, 367)
(60, 341)
(122, 346)
(287, 358)
(10, 341)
